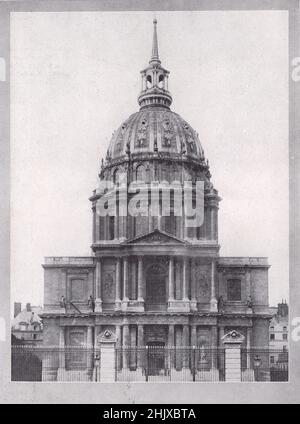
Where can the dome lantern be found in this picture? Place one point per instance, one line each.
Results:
(155, 80)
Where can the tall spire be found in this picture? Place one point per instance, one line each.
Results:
(155, 80)
(154, 57)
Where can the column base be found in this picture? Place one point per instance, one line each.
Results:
(213, 305)
(193, 305)
(98, 305)
(133, 305)
(178, 306)
(118, 305)
(124, 304)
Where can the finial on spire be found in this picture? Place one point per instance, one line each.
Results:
(154, 57)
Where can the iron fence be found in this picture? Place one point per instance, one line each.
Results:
(39, 363)
(163, 364)
(144, 363)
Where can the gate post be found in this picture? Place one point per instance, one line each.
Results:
(107, 343)
(232, 344)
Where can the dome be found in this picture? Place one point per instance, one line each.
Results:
(153, 130)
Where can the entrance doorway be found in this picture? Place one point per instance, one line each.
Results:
(156, 280)
(156, 358)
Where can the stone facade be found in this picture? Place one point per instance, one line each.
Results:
(152, 279)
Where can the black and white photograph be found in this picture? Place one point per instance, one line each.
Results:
(151, 174)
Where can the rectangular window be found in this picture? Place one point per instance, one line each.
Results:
(284, 337)
(75, 350)
(234, 289)
(77, 292)
(272, 359)
(272, 336)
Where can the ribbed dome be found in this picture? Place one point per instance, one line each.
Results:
(155, 129)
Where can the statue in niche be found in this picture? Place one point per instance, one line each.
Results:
(202, 355)
(220, 304)
(249, 302)
(108, 284)
(203, 285)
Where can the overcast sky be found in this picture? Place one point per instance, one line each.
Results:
(75, 78)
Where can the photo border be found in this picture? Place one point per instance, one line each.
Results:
(112, 393)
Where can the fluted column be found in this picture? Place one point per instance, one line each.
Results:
(125, 279)
(213, 300)
(193, 285)
(214, 339)
(194, 358)
(119, 339)
(62, 361)
(118, 284)
(98, 300)
(249, 336)
(140, 342)
(89, 342)
(171, 279)
(185, 282)
(126, 344)
(193, 335)
(185, 341)
(140, 279)
(171, 345)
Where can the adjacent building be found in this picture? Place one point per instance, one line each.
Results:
(279, 326)
(151, 279)
(27, 325)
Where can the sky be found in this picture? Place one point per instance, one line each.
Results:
(75, 77)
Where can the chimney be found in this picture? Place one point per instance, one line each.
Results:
(17, 308)
(28, 307)
(283, 309)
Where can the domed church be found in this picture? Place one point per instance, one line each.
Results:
(151, 279)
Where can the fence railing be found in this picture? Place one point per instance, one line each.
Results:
(39, 363)
(144, 363)
(160, 363)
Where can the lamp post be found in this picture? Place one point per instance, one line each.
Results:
(257, 363)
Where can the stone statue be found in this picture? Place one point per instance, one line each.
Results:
(220, 304)
(249, 302)
(91, 303)
(62, 302)
(202, 358)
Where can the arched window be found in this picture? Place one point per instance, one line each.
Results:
(140, 173)
(161, 81)
(149, 81)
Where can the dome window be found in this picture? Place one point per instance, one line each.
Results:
(140, 173)
(161, 81)
(149, 81)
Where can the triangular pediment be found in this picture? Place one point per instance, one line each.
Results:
(155, 237)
